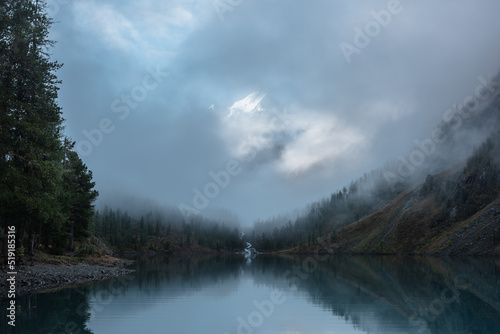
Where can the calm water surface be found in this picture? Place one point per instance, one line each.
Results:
(276, 294)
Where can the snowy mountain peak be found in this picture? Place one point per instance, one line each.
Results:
(249, 104)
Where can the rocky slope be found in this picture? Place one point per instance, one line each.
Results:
(453, 213)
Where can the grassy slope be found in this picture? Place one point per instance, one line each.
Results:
(411, 225)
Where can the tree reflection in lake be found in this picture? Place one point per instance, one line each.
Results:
(217, 294)
(54, 312)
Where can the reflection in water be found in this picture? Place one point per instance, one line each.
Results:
(278, 294)
(58, 312)
(250, 252)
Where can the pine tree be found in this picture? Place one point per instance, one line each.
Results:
(32, 154)
(78, 187)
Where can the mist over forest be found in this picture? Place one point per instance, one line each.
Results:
(183, 130)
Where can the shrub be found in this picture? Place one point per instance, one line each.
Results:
(85, 250)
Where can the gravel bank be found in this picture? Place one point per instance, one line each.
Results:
(47, 276)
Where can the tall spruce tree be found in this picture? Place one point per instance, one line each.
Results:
(78, 188)
(33, 157)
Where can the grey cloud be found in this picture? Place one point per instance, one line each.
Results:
(426, 59)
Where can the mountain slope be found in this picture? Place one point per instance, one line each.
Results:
(451, 213)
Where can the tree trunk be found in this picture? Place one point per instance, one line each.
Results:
(72, 237)
(46, 241)
(31, 246)
(20, 233)
(4, 240)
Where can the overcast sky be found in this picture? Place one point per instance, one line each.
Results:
(285, 96)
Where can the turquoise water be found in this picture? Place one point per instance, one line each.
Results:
(276, 294)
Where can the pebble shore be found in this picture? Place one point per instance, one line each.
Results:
(41, 276)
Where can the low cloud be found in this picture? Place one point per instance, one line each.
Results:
(294, 143)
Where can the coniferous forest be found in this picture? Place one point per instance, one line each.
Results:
(46, 191)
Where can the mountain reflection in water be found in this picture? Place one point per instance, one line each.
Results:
(276, 294)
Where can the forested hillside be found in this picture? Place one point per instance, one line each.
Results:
(411, 204)
(456, 212)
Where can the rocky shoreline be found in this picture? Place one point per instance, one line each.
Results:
(42, 276)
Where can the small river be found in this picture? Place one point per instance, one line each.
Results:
(275, 294)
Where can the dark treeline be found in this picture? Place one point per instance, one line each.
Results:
(46, 191)
(478, 185)
(167, 232)
(345, 206)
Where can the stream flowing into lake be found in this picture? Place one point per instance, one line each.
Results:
(227, 294)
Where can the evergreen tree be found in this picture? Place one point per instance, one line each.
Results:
(34, 161)
(80, 195)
